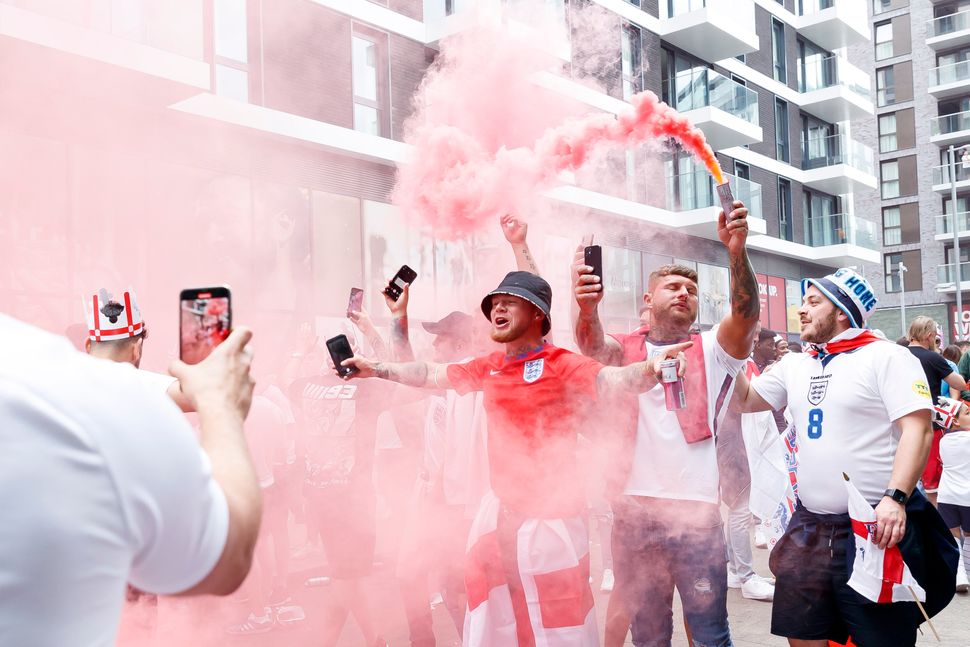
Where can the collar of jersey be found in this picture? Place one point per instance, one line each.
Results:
(538, 349)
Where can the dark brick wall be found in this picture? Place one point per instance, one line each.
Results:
(652, 7)
(306, 52)
(409, 60)
(410, 8)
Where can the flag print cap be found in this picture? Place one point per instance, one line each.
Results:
(849, 291)
(109, 319)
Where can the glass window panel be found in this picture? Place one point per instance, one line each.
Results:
(890, 217)
(890, 180)
(366, 119)
(232, 83)
(778, 50)
(884, 40)
(365, 68)
(229, 27)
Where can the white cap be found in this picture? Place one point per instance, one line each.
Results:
(110, 320)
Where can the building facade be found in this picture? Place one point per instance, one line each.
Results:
(922, 85)
(262, 138)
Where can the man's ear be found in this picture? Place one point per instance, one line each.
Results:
(87, 345)
(136, 350)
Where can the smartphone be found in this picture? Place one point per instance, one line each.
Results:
(356, 301)
(340, 350)
(205, 320)
(593, 256)
(404, 276)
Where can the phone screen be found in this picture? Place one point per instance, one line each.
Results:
(356, 301)
(205, 322)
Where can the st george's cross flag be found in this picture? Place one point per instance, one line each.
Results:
(551, 604)
(878, 574)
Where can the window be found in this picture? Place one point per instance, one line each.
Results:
(891, 269)
(892, 230)
(887, 133)
(885, 87)
(784, 209)
(631, 69)
(230, 49)
(781, 131)
(742, 170)
(884, 40)
(778, 55)
(368, 84)
(890, 179)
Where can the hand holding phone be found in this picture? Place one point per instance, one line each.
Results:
(404, 276)
(205, 321)
(340, 350)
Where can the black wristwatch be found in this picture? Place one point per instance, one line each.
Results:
(898, 496)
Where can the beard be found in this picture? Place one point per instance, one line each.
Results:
(510, 334)
(824, 330)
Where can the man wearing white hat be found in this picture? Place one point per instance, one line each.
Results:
(861, 406)
(116, 331)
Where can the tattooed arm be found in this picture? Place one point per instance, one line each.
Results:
(418, 374)
(640, 376)
(590, 337)
(400, 341)
(736, 332)
(516, 232)
(363, 322)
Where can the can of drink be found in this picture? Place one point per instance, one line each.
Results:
(674, 395)
(726, 197)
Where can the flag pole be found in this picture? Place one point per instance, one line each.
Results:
(923, 611)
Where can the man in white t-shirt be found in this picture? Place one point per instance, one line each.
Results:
(102, 482)
(861, 406)
(667, 527)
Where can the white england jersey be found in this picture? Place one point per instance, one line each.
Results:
(844, 410)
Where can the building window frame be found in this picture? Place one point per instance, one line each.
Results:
(885, 86)
(892, 226)
(230, 71)
(362, 102)
(890, 268)
(782, 135)
(631, 61)
(888, 141)
(883, 48)
(785, 217)
(889, 179)
(779, 55)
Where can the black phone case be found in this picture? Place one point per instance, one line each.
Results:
(339, 348)
(407, 275)
(593, 256)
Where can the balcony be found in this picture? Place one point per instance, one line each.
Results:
(833, 24)
(950, 31)
(950, 80)
(941, 178)
(710, 29)
(946, 277)
(833, 89)
(693, 197)
(944, 226)
(837, 165)
(725, 110)
(950, 129)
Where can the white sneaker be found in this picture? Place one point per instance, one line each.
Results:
(760, 541)
(758, 588)
(607, 584)
(734, 582)
(963, 584)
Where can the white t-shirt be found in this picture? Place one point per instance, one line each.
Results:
(844, 415)
(955, 482)
(102, 482)
(664, 464)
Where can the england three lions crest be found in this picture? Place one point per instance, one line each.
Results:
(817, 390)
(533, 370)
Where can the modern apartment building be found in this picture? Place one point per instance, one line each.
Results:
(266, 134)
(922, 81)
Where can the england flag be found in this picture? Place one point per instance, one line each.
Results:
(878, 574)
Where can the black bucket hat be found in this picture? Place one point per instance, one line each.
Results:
(524, 285)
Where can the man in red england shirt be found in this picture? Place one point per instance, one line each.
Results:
(527, 576)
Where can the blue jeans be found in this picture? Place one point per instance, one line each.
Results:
(659, 544)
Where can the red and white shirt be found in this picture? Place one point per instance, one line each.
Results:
(534, 405)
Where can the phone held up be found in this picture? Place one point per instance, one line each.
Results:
(340, 350)
(404, 276)
(593, 256)
(356, 301)
(205, 320)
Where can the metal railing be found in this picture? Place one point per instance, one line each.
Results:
(950, 73)
(946, 274)
(702, 87)
(817, 73)
(840, 229)
(695, 190)
(944, 222)
(948, 24)
(941, 174)
(952, 123)
(820, 152)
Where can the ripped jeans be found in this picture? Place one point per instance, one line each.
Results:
(659, 544)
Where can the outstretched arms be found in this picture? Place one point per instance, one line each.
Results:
(418, 374)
